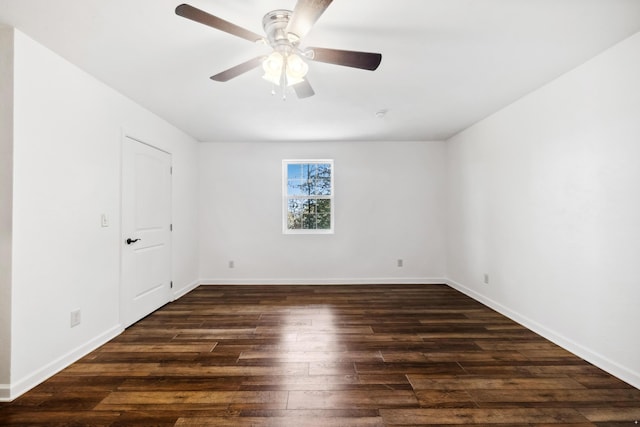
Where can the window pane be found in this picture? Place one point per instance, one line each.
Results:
(324, 170)
(294, 215)
(324, 214)
(309, 214)
(295, 187)
(322, 187)
(294, 170)
(315, 181)
(323, 180)
(312, 170)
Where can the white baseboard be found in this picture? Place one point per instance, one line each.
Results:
(593, 357)
(351, 281)
(179, 293)
(9, 392)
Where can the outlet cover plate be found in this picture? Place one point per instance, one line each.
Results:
(75, 318)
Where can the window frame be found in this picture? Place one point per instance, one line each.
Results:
(286, 197)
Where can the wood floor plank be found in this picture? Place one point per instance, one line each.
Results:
(555, 398)
(351, 399)
(474, 356)
(312, 382)
(232, 370)
(605, 414)
(286, 421)
(53, 418)
(158, 348)
(445, 399)
(464, 416)
(135, 398)
(358, 355)
(423, 382)
(313, 356)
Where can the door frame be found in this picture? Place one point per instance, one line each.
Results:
(124, 135)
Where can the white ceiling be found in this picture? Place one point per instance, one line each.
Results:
(446, 63)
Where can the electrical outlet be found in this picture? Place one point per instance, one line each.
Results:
(104, 220)
(75, 318)
(486, 279)
(232, 264)
(400, 263)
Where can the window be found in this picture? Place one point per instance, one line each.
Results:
(307, 196)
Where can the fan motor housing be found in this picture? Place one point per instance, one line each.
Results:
(275, 27)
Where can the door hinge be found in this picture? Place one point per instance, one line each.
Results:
(171, 284)
(170, 227)
(170, 170)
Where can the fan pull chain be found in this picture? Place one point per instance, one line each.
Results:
(283, 79)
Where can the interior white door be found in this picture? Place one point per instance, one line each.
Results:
(146, 230)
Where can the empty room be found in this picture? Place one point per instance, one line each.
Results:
(319, 213)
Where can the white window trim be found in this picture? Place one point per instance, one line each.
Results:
(285, 198)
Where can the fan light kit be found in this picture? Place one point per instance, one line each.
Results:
(292, 68)
(287, 65)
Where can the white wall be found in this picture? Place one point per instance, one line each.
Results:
(67, 147)
(544, 196)
(6, 202)
(388, 206)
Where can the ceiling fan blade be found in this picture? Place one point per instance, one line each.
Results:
(238, 69)
(303, 89)
(305, 14)
(347, 58)
(195, 14)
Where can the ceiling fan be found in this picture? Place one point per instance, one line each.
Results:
(284, 30)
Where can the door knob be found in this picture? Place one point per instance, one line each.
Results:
(130, 241)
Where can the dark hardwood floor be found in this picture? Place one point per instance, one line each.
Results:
(327, 356)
